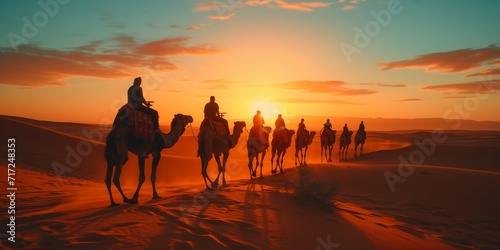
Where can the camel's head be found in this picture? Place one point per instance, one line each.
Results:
(268, 130)
(313, 133)
(239, 125)
(334, 132)
(184, 120)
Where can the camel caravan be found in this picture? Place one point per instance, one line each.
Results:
(136, 130)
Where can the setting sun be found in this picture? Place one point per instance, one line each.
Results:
(269, 110)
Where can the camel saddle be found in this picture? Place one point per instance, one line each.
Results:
(142, 122)
(215, 126)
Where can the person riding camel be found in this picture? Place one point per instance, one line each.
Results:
(279, 124)
(345, 131)
(327, 125)
(136, 100)
(302, 128)
(362, 128)
(280, 130)
(258, 120)
(212, 111)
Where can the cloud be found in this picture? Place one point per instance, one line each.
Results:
(410, 100)
(219, 81)
(175, 26)
(222, 17)
(449, 62)
(384, 85)
(174, 46)
(330, 87)
(486, 72)
(118, 57)
(226, 9)
(192, 27)
(348, 7)
(302, 6)
(195, 27)
(299, 100)
(486, 87)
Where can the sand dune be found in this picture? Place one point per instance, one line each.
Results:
(450, 201)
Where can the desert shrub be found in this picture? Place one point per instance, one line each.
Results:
(310, 190)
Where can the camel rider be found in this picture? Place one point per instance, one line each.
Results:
(212, 111)
(258, 120)
(279, 129)
(302, 128)
(327, 125)
(362, 128)
(279, 124)
(136, 99)
(345, 131)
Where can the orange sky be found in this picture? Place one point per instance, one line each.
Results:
(277, 56)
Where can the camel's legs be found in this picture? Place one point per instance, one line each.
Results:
(262, 162)
(322, 148)
(330, 149)
(272, 162)
(219, 164)
(281, 160)
(154, 166)
(305, 155)
(109, 173)
(224, 161)
(116, 181)
(361, 149)
(142, 179)
(250, 165)
(204, 165)
(296, 155)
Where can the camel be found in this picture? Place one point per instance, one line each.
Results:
(278, 145)
(360, 138)
(120, 140)
(209, 144)
(301, 142)
(327, 142)
(345, 140)
(257, 145)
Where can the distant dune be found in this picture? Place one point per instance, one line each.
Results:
(411, 190)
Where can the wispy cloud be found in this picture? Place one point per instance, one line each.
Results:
(384, 85)
(348, 7)
(467, 88)
(486, 72)
(450, 61)
(329, 87)
(118, 57)
(195, 27)
(299, 100)
(410, 100)
(225, 9)
(192, 27)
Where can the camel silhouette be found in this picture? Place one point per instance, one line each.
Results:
(302, 142)
(345, 141)
(257, 145)
(209, 144)
(279, 145)
(359, 139)
(327, 142)
(121, 140)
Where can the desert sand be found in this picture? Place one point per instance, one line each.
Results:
(449, 200)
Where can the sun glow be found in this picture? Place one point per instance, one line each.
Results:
(269, 110)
